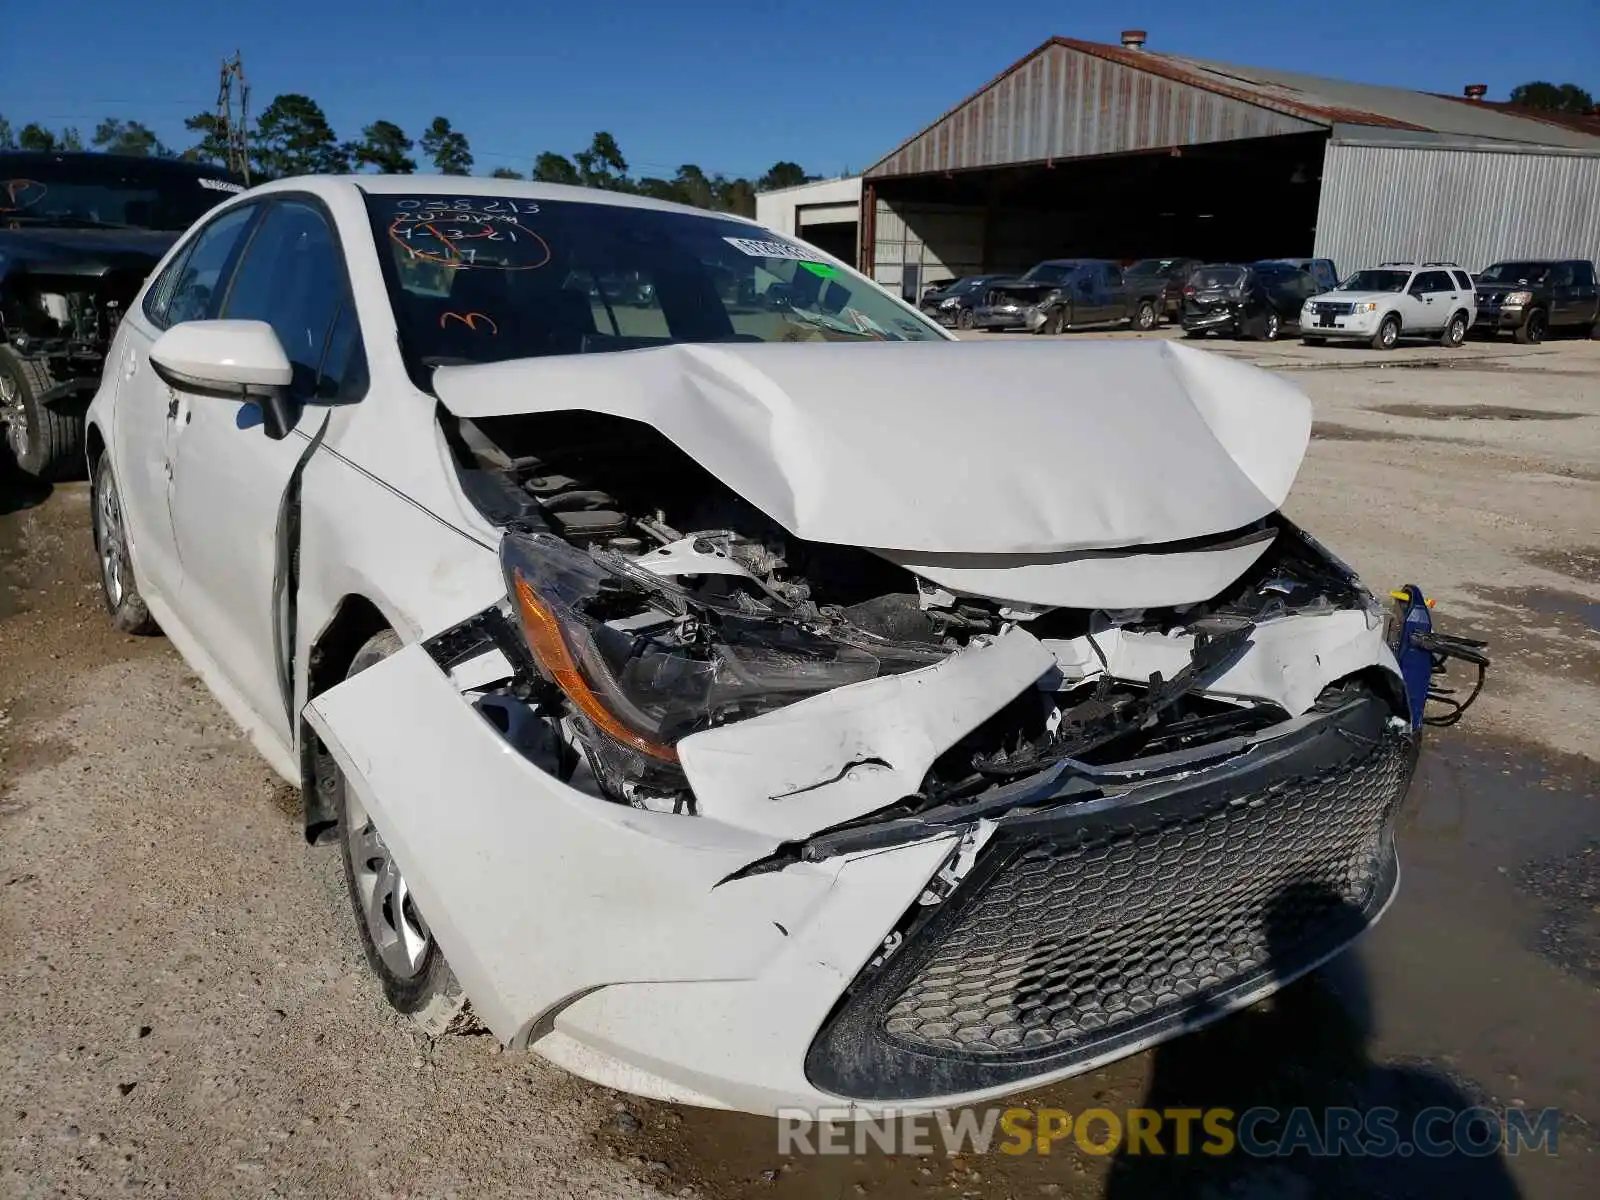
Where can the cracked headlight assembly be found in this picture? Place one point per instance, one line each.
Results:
(642, 663)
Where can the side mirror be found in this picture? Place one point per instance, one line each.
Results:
(235, 360)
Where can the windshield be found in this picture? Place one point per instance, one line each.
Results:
(487, 278)
(1152, 266)
(95, 191)
(1049, 273)
(1512, 272)
(1216, 277)
(1376, 281)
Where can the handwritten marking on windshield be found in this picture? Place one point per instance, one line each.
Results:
(16, 188)
(470, 320)
(438, 237)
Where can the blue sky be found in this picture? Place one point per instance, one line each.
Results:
(732, 87)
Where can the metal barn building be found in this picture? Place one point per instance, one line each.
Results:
(1083, 148)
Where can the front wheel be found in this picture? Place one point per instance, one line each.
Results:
(1272, 328)
(1144, 317)
(1531, 332)
(400, 948)
(46, 444)
(1388, 333)
(1455, 333)
(964, 319)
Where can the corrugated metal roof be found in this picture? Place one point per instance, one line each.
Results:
(1072, 98)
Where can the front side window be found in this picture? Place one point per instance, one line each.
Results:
(1583, 274)
(1377, 280)
(292, 277)
(187, 289)
(1430, 282)
(488, 278)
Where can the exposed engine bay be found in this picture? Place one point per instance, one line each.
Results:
(657, 604)
(68, 312)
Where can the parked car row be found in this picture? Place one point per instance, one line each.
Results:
(1527, 298)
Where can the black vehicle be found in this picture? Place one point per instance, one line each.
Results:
(1069, 293)
(1172, 274)
(1321, 269)
(78, 234)
(953, 302)
(1258, 300)
(1530, 297)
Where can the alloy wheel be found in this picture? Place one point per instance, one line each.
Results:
(397, 929)
(111, 540)
(1390, 332)
(1272, 327)
(14, 414)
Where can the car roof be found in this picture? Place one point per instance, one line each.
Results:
(476, 185)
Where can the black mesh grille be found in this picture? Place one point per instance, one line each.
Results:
(1095, 932)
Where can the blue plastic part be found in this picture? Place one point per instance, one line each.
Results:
(1416, 664)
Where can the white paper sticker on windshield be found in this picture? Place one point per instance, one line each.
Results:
(756, 248)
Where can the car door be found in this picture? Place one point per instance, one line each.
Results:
(1563, 302)
(1585, 295)
(1425, 309)
(187, 289)
(1111, 298)
(233, 486)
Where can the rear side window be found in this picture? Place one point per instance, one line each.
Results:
(188, 290)
(1462, 280)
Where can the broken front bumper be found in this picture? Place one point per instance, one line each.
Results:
(1104, 909)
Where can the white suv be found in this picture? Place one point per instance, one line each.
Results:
(1391, 301)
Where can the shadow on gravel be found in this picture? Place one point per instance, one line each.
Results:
(1297, 1076)
(19, 491)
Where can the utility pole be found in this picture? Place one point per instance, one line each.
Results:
(234, 133)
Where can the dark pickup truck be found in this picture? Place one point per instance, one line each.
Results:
(1070, 293)
(1530, 297)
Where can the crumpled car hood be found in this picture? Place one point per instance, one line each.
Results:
(949, 447)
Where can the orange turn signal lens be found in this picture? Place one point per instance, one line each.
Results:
(549, 646)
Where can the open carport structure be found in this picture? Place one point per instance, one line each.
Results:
(1117, 151)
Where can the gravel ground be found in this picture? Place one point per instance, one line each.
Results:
(185, 1010)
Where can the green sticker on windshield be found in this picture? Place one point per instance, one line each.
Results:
(822, 269)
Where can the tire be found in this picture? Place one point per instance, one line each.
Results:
(964, 319)
(1272, 327)
(117, 584)
(1144, 317)
(1532, 330)
(1053, 324)
(45, 443)
(417, 981)
(1313, 341)
(1388, 333)
(1455, 331)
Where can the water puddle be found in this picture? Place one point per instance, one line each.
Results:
(1477, 987)
(1327, 432)
(1473, 412)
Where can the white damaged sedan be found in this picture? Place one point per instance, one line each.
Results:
(722, 682)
